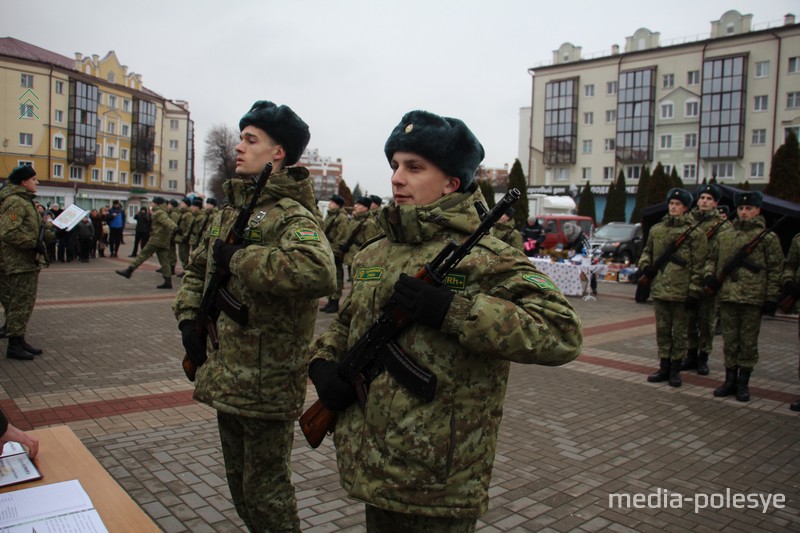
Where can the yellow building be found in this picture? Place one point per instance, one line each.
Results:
(91, 130)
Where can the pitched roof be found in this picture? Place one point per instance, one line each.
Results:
(12, 47)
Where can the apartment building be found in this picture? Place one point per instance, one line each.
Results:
(325, 171)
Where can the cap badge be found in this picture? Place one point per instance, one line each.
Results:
(409, 128)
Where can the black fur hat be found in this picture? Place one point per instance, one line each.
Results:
(338, 199)
(158, 200)
(365, 201)
(173, 202)
(753, 198)
(21, 173)
(682, 195)
(376, 199)
(211, 201)
(446, 142)
(197, 201)
(280, 123)
(710, 189)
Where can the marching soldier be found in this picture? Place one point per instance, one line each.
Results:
(174, 214)
(161, 234)
(203, 222)
(506, 232)
(746, 293)
(186, 212)
(362, 228)
(336, 229)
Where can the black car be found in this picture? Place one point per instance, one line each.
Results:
(622, 242)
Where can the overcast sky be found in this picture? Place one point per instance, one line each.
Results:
(352, 68)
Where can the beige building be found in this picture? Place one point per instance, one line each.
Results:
(91, 130)
(325, 171)
(716, 106)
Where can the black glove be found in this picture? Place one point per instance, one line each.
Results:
(222, 254)
(425, 303)
(691, 303)
(649, 271)
(334, 393)
(712, 283)
(769, 308)
(792, 288)
(40, 248)
(194, 345)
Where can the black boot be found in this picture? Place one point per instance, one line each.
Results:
(332, 307)
(166, 285)
(690, 363)
(675, 374)
(729, 387)
(125, 273)
(17, 351)
(3, 331)
(662, 374)
(702, 363)
(795, 405)
(743, 385)
(159, 270)
(30, 349)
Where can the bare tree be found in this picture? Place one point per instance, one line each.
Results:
(220, 156)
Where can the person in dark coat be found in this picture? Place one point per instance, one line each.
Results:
(142, 233)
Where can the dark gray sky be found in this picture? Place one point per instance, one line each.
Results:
(352, 68)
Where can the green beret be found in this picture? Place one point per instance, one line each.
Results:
(337, 199)
(376, 199)
(446, 142)
(753, 198)
(158, 200)
(710, 189)
(365, 201)
(280, 123)
(21, 173)
(682, 195)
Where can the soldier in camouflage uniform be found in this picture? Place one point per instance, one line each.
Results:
(744, 295)
(173, 211)
(184, 222)
(336, 229)
(22, 251)
(701, 321)
(363, 227)
(506, 232)
(256, 380)
(202, 221)
(375, 205)
(790, 280)
(427, 466)
(676, 289)
(161, 232)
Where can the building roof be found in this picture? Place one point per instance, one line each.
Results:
(12, 47)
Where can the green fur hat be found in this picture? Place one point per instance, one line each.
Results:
(446, 142)
(280, 123)
(753, 198)
(710, 189)
(21, 173)
(682, 195)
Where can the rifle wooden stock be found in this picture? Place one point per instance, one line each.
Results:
(787, 304)
(316, 422)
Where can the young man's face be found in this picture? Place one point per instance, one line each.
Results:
(30, 184)
(706, 202)
(417, 181)
(360, 208)
(676, 208)
(747, 212)
(333, 205)
(255, 150)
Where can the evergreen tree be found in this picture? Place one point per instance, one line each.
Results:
(745, 186)
(620, 199)
(713, 179)
(357, 192)
(516, 179)
(676, 180)
(609, 209)
(344, 192)
(641, 195)
(784, 172)
(586, 207)
(660, 184)
(488, 192)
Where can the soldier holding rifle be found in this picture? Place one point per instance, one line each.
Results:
(423, 462)
(277, 269)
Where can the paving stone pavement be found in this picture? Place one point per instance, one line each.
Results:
(571, 437)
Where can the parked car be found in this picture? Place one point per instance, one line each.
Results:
(619, 241)
(554, 228)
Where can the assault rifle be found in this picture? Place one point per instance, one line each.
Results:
(787, 303)
(377, 349)
(216, 296)
(643, 285)
(740, 258)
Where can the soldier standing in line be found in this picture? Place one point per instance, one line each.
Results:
(184, 222)
(202, 221)
(336, 229)
(746, 293)
(362, 228)
(256, 379)
(702, 320)
(375, 205)
(676, 289)
(791, 287)
(162, 230)
(427, 466)
(22, 251)
(199, 217)
(506, 232)
(174, 215)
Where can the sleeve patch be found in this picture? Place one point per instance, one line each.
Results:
(215, 231)
(541, 281)
(307, 235)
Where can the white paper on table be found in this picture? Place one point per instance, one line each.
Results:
(63, 506)
(69, 217)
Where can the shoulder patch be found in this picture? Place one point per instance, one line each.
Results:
(541, 281)
(456, 281)
(307, 235)
(253, 235)
(369, 274)
(215, 231)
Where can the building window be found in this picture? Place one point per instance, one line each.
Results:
(635, 113)
(173, 145)
(759, 137)
(587, 147)
(59, 87)
(111, 127)
(58, 142)
(26, 139)
(173, 164)
(608, 173)
(26, 111)
(123, 154)
(151, 180)
(588, 90)
(173, 124)
(172, 185)
(82, 123)
(667, 111)
(690, 140)
(668, 81)
(692, 108)
(109, 176)
(26, 80)
(611, 88)
(560, 121)
(562, 174)
(126, 105)
(791, 129)
(58, 116)
(760, 103)
(111, 77)
(137, 179)
(723, 106)
(611, 116)
(110, 151)
(112, 101)
(689, 171)
(586, 173)
(762, 69)
(794, 65)
(665, 142)
(95, 174)
(126, 130)
(722, 170)
(757, 170)
(793, 100)
(123, 177)
(76, 173)
(58, 170)
(693, 77)
(609, 145)
(143, 136)
(633, 172)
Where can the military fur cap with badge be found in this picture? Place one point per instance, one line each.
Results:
(753, 198)
(158, 200)
(682, 195)
(365, 201)
(377, 200)
(712, 190)
(280, 123)
(21, 173)
(337, 199)
(197, 201)
(446, 142)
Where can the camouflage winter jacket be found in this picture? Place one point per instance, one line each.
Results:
(260, 370)
(506, 232)
(436, 458)
(20, 225)
(163, 227)
(710, 222)
(744, 286)
(185, 219)
(791, 267)
(675, 282)
(337, 229)
(363, 227)
(198, 226)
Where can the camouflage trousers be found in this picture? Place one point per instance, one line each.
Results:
(383, 521)
(701, 324)
(337, 293)
(183, 254)
(173, 258)
(161, 253)
(672, 329)
(257, 464)
(741, 324)
(21, 296)
(4, 292)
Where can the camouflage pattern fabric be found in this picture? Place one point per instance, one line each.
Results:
(175, 216)
(741, 325)
(21, 299)
(435, 459)
(382, 520)
(182, 241)
(337, 230)
(791, 267)
(19, 230)
(147, 251)
(506, 232)
(363, 227)
(162, 227)
(199, 227)
(672, 327)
